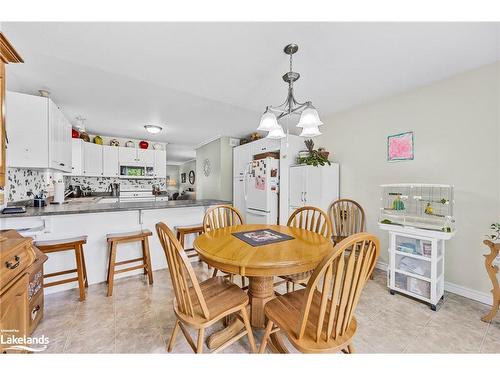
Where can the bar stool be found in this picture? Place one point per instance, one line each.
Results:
(75, 244)
(117, 238)
(185, 230)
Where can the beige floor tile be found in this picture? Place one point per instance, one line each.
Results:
(139, 318)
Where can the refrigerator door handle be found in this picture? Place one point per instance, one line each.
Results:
(257, 212)
(245, 174)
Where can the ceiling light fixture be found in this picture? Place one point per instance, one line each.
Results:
(153, 129)
(309, 118)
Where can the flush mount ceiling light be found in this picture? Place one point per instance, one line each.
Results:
(309, 118)
(153, 129)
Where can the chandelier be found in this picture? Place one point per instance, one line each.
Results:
(309, 118)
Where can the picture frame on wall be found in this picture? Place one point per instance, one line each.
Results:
(183, 178)
(400, 147)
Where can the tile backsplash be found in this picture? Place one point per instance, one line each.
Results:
(23, 184)
(100, 184)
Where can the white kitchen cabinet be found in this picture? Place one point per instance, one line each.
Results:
(313, 186)
(160, 163)
(39, 134)
(265, 145)
(76, 157)
(92, 159)
(146, 157)
(127, 156)
(110, 166)
(242, 155)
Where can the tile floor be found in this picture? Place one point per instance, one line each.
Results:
(139, 319)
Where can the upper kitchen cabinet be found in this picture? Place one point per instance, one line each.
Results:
(39, 135)
(265, 145)
(92, 159)
(136, 156)
(110, 166)
(160, 163)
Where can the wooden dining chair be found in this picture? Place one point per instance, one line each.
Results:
(320, 318)
(200, 305)
(348, 218)
(315, 220)
(222, 216)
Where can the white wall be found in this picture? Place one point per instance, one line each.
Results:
(457, 141)
(186, 168)
(219, 184)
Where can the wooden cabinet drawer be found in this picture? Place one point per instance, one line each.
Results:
(35, 311)
(16, 254)
(14, 312)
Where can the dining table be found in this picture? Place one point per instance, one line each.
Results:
(237, 250)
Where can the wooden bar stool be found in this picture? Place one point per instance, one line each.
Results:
(117, 238)
(75, 244)
(185, 230)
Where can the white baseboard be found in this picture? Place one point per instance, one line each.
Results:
(463, 291)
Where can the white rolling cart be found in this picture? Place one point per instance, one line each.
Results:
(419, 219)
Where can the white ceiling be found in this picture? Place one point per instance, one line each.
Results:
(200, 80)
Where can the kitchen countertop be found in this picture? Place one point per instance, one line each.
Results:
(93, 206)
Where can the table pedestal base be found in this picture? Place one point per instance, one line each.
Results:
(260, 291)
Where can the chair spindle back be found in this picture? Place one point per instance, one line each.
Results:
(220, 217)
(339, 280)
(190, 300)
(347, 216)
(311, 218)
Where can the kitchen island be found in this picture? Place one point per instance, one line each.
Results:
(96, 220)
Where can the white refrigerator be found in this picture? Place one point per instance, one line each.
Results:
(260, 191)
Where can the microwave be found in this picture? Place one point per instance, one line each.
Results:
(136, 171)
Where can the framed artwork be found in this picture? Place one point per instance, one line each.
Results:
(183, 178)
(400, 147)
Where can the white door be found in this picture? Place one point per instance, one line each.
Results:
(296, 186)
(127, 156)
(146, 157)
(76, 157)
(312, 190)
(110, 161)
(26, 127)
(92, 159)
(160, 163)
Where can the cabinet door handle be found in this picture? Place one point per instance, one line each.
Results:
(12, 266)
(302, 196)
(305, 196)
(62, 164)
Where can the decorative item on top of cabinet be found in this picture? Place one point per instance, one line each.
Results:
(114, 142)
(144, 145)
(252, 137)
(7, 55)
(98, 140)
(129, 144)
(313, 157)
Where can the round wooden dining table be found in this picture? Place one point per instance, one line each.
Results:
(221, 249)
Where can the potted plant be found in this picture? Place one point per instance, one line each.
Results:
(313, 157)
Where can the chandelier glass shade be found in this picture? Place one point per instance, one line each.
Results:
(268, 122)
(309, 117)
